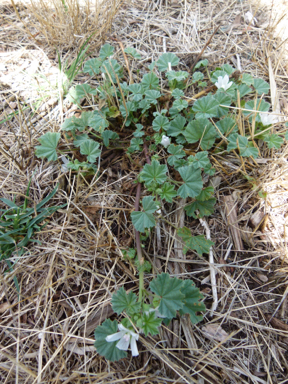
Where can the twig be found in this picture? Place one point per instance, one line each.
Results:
(212, 268)
(203, 49)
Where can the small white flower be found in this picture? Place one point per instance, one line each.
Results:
(165, 141)
(268, 119)
(64, 167)
(126, 337)
(158, 211)
(248, 17)
(223, 82)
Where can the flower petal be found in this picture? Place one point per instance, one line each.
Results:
(114, 337)
(134, 348)
(124, 342)
(122, 328)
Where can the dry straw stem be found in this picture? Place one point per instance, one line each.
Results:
(67, 24)
(66, 283)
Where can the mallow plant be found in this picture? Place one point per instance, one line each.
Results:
(173, 135)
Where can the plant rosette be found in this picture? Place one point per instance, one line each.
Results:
(166, 128)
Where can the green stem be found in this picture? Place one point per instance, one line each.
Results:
(141, 285)
(138, 244)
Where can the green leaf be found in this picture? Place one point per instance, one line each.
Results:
(146, 267)
(112, 67)
(201, 63)
(48, 146)
(246, 148)
(200, 160)
(92, 67)
(176, 153)
(286, 133)
(154, 173)
(180, 104)
(165, 59)
(205, 208)
(150, 81)
(76, 165)
(199, 243)
(243, 91)
(168, 289)
(132, 51)
(91, 149)
(226, 126)
(131, 107)
(145, 219)
(109, 135)
(200, 129)
(151, 96)
(193, 183)
(70, 124)
(150, 324)
(228, 69)
(247, 79)
(122, 301)
(177, 75)
(273, 141)
(176, 126)
(223, 99)
(79, 92)
(98, 121)
(145, 105)
(206, 107)
(260, 106)
(205, 194)
(191, 303)
(167, 192)
(106, 51)
(135, 144)
(160, 122)
(74, 123)
(80, 139)
(261, 86)
(130, 254)
(177, 93)
(197, 76)
(105, 348)
(139, 132)
(135, 88)
(112, 112)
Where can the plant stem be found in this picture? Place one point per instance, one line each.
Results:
(138, 244)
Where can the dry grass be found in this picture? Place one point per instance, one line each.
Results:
(67, 24)
(66, 282)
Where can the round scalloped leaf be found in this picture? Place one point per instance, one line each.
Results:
(193, 183)
(206, 107)
(201, 129)
(160, 122)
(132, 51)
(91, 149)
(191, 303)
(106, 51)
(154, 173)
(48, 146)
(105, 348)
(261, 86)
(252, 107)
(169, 291)
(92, 67)
(165, 59)
(150, 81)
